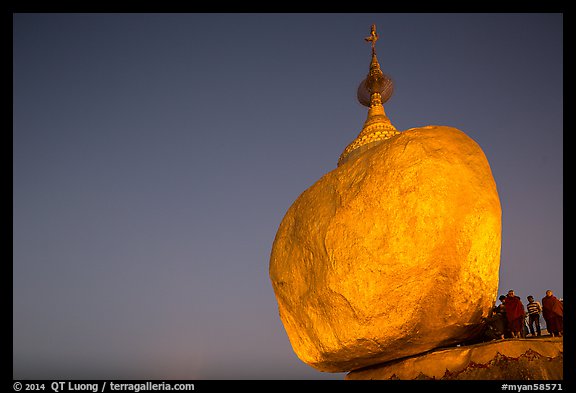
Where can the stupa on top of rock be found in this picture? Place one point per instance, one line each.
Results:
(393, 253)
(373, 92)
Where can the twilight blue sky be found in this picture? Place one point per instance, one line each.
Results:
(155, 155)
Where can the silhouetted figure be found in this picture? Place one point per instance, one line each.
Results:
(515, 314)
(497, 320)
(553, 313)
(534, 309)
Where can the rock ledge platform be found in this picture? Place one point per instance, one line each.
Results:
(538, 358)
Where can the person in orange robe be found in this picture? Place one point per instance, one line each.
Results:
(553, 313)
(515, 314)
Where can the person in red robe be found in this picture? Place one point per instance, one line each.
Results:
(515, 314)
(553, 313)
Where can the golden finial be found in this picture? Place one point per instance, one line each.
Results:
(373, 92)
(373, 37)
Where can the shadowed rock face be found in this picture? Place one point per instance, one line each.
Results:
(515, 359)
(393, 253)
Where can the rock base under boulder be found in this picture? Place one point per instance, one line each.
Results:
(510, 359)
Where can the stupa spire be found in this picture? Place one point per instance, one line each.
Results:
(373, 92)
(373, 37)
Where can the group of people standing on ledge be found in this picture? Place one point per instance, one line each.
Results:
(509, 319)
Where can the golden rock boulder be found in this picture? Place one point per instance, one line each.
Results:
(393, 253)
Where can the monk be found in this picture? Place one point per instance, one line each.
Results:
(553, 313)
(515, 314)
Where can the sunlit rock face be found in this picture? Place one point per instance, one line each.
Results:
(393, 253)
